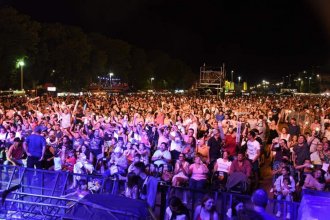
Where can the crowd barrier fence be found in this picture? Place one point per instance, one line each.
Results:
(42, 193)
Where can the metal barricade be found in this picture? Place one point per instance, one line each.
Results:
(41, 194)
(224, 201)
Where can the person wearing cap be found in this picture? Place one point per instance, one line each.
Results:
(118, 163)
(35, 147)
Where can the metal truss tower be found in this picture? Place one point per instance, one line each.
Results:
(212, 79)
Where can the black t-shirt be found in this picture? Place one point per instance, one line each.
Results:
(302, 153)
(107, 136)
(96, 144)
(280, 153)
(79, 118)
(215, 147)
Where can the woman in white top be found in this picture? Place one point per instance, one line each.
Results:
(283, 134)
(206, 210)
(223, 164)
(181, 171)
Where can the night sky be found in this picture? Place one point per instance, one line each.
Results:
(268, 38)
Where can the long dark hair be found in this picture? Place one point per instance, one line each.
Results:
(132, 180)
(180, 208)
(204, 200)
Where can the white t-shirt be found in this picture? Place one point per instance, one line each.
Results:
(57, 163)
(176, 146)
(252, 149)
(169, 215)
(315, 158)
(3, 136)
(286, 137)
(313, 142)
(66, 120)
(18, 134)
(223, 166)
(166, 154)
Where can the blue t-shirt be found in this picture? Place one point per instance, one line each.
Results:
(35, 143)
(76, 142)
(96, 144)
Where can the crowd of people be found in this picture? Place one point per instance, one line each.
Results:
(185, 141)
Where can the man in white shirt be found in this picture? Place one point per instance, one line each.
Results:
(313, 141)
(176, 143)
(3, 134)
(253, 152)
(315, 157)
(161, 156)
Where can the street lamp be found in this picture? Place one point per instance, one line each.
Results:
(151, 79)
(309, 84)
(111, 75)
(20, 64)
(239, 83)
(299, 80)
(232, 76)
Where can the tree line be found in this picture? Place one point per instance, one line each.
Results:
(71, 59)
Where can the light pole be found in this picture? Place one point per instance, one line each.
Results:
(151, 79)
(111, 75)
(232, 76)
(309, 84)
(299, 80)
(20, 64)
(239, 82)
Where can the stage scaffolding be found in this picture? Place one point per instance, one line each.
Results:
(211, 79)
(39, 194)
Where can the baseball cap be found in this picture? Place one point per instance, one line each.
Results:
(38, 129)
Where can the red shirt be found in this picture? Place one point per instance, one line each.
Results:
(71, 161)
(15, 152)
(230, 144)
(160, 118)
(245, 168)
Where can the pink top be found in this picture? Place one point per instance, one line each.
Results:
(160, 118)
(199, 173)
